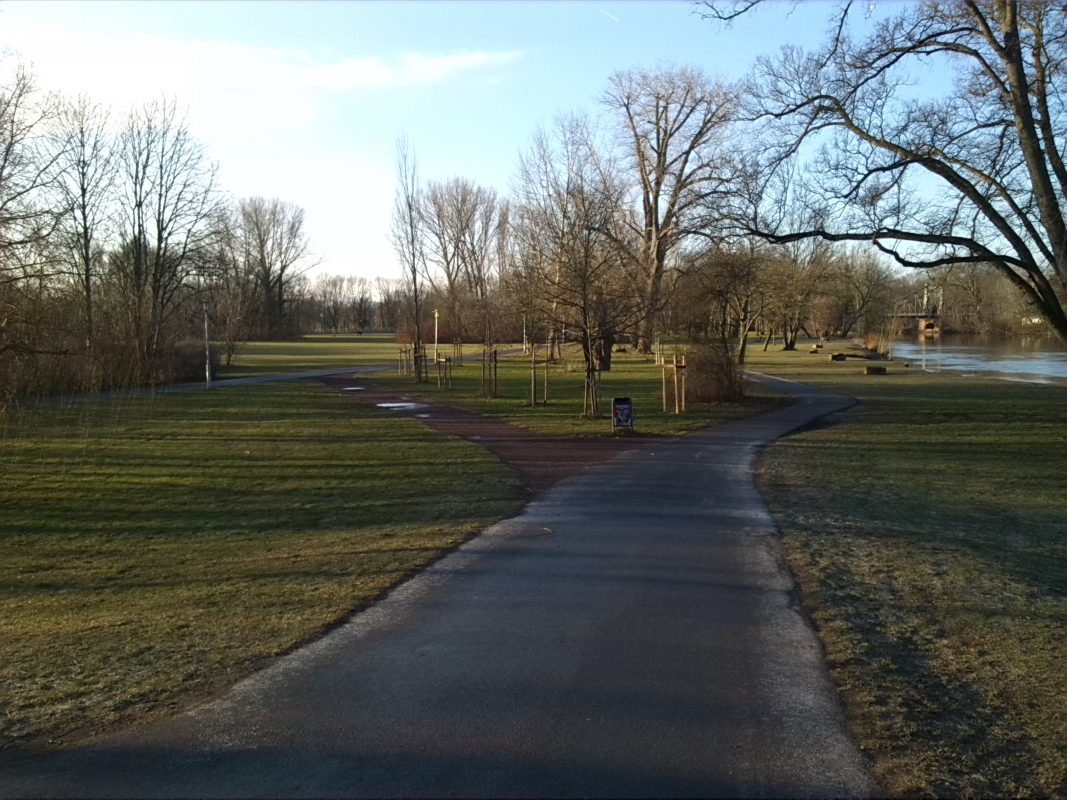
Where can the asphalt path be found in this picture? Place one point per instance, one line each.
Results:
(632, 633)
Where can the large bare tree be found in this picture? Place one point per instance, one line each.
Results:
(462, 223)
(479, 254)
(85, 195)
(277, 249)
(975, 174)
(167, 207)
(447, 210)
(571, 221)
(28, 167)
(233, 284)
(28, 218)
(673, 123)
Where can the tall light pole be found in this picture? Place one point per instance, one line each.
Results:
(207, 347)
(435, 335)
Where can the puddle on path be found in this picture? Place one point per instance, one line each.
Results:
(353, 389)
(402, 406)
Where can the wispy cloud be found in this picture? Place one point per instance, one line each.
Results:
(297, 71)
(125, 69)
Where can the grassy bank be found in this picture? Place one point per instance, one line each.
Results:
(154, 549)
(632, 376)
(928, 529)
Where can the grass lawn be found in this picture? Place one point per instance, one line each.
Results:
(928, 530)
(633, 376)
(322, 351)
(155, 549)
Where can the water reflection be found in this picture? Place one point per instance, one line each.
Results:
(1037, 359)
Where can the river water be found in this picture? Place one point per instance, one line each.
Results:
(1037, 359)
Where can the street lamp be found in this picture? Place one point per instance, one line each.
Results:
(435, 335)
(207, 347)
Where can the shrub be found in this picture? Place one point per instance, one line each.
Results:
(185, 362)
(713, 374)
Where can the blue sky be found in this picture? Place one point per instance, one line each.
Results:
(304, 100)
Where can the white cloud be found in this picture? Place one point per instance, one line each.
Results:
(427, 69)
(227, 80)
(134, 64)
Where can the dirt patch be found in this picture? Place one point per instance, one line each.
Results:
(541, 460)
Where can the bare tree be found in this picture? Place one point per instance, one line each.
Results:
(977, 299)
(275, 245)
(798, 276)
(29, 325)
(407, 233)
(359, 312)
(85, 194)
(331, 293)
(479, 253)
(993, 146)
(674, 123)
(773, 199)
(570, 220)
(261, 250)
(462, 225)
(233, 285)
(388, 299)
(166, 210)
(722, 291)
(28, 168)
(861, 293)
(448, 209)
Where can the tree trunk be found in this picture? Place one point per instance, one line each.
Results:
(646, 329)
(602, 351)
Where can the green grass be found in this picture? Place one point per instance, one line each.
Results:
(152, 550)
(155, 549)
(928, 529)
(633, 376)
(254, 359)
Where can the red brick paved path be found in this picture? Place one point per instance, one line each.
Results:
(542, 460)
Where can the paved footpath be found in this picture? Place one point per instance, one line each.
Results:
(632, 633)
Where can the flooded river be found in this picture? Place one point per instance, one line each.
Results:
(1036, 359)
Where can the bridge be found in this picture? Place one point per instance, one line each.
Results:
(924, 309)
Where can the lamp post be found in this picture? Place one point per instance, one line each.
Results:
(207, 348)
(525, 347)
(435, 335)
